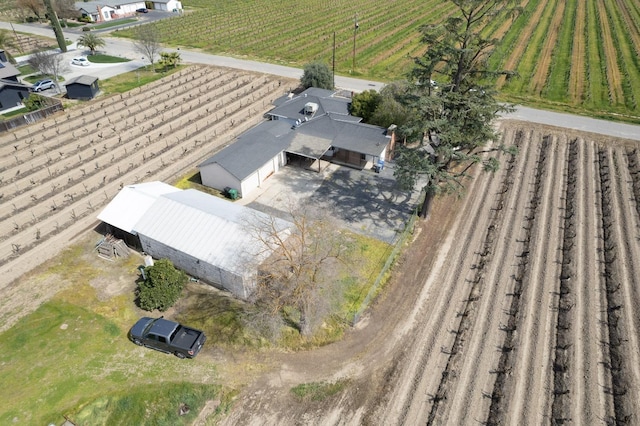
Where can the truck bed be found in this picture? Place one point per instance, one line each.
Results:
(185, 337)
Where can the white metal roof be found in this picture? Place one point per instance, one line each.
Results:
(208, 228)
(130, 204)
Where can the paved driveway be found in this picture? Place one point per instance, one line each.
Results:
(363, 201)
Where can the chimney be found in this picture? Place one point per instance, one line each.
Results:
(391, 132)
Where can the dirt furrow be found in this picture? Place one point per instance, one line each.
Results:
(617, 346)
(471, 313)
(626, 228)
(548, 288)
(614, 77)
(539, 78)
(587, 372)
(423, 366)
(503, 386)
(578, 55)
(478, 371)
(564, 355)
(523, 40)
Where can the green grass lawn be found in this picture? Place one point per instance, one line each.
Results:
(27, 69)
(99, 58)
(113, 23)
(124, 82)
(65, 359)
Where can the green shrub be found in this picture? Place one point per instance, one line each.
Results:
(161, 287)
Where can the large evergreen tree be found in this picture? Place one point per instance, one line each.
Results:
(57, 29)
(456, 117)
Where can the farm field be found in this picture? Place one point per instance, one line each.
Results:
(573, 55)
(56, 175)
(531, 316)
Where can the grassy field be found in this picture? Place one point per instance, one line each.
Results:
(71, 357)
(570, 55)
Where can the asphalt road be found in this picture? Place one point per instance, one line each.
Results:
(124, 48)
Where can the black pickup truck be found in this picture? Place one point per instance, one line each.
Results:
(167, 336)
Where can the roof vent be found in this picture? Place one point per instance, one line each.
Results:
(310, 108)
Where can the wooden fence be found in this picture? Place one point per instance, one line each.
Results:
(32, 117)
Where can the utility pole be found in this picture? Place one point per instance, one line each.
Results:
(355, 31)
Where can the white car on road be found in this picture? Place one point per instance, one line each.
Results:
(80, 61)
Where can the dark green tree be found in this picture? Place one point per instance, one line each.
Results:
(317, 74)
(162, 286)
(458, 116)
(365, 103)
(57, 29)
(390, 110)
(35, 102)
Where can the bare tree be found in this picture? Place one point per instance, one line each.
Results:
(147, 42)
(34, 6)
(51, 64)
(65, 9)
(298, 281)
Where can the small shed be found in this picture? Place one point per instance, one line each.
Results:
(84, 87)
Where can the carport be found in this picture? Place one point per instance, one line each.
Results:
(307, 150)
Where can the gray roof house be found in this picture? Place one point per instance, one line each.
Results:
(311, 103)
(12, 91)
(205, 236)
(107, 10)
(313, 128)
(246, 164)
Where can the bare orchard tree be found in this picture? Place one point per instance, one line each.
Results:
(297, 283)
(147, 42)
(51, 64)
(65, 9)
(36, 7)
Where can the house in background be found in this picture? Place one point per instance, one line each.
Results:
(12, 91)
(167, 5)
(312, 130)
(107, 10)
(205, 236)
(84, 87)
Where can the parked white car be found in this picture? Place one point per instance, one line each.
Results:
(80, 61)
